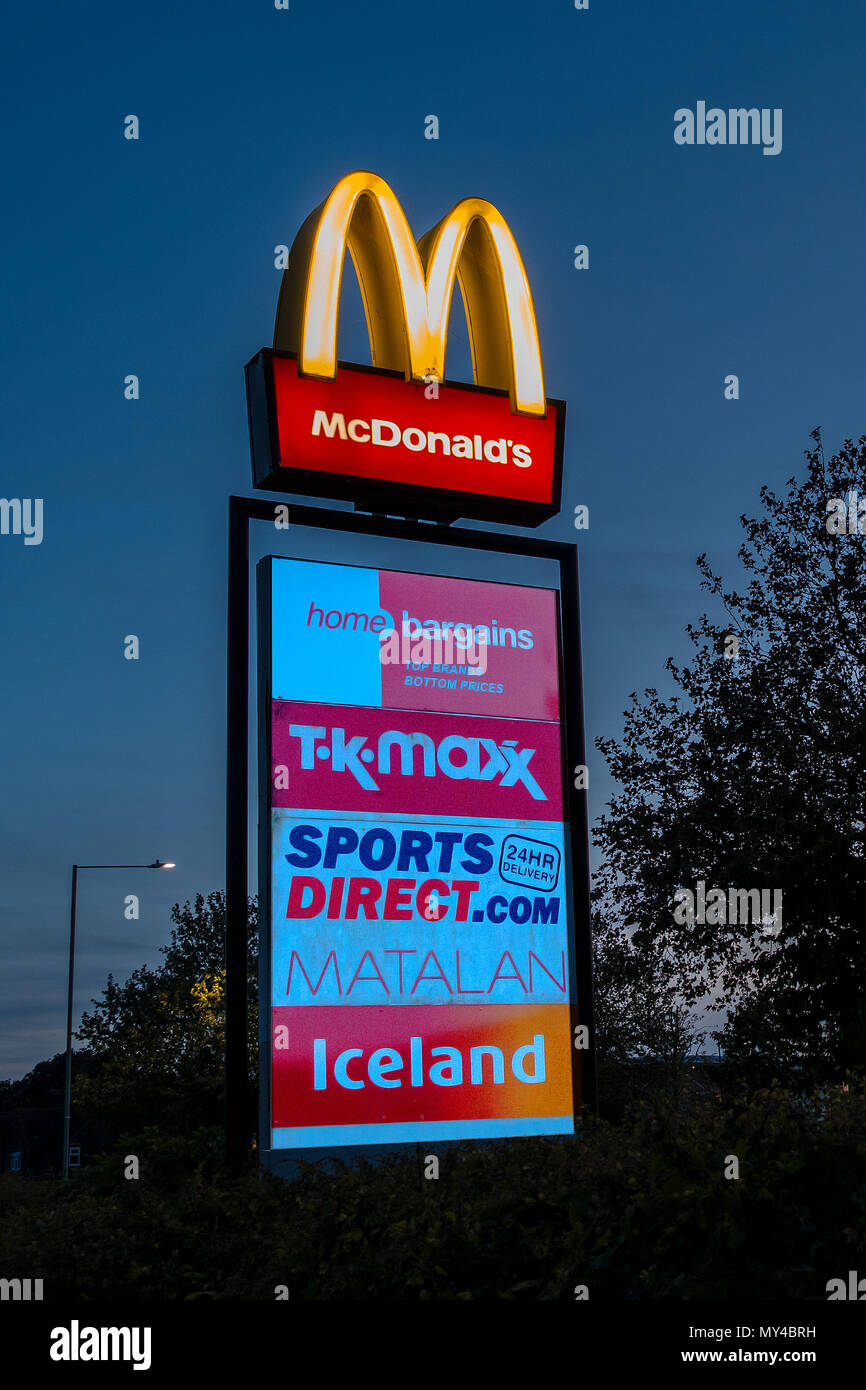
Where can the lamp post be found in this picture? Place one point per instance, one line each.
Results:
(67, 1100)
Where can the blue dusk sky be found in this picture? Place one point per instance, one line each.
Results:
(156, 257)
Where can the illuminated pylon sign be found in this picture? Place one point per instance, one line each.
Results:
(407, 290)
(397, 434)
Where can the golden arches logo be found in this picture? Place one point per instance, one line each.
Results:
(407, 290)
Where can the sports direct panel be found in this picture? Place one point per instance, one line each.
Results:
(420, 907)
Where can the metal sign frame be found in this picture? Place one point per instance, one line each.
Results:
(242, 511)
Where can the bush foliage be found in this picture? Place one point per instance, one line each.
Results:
(636, 1209)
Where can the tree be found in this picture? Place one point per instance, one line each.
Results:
(158, 1039)
(638, 1014)
(754, 776)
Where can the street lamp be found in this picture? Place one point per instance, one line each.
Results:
(67, 1102)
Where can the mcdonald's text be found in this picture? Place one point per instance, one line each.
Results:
(369, 430)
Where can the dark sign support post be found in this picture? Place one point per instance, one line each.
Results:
(243, 510)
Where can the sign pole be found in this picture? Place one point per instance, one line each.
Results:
(237, 791)
(67, 1089)
(578, 802)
